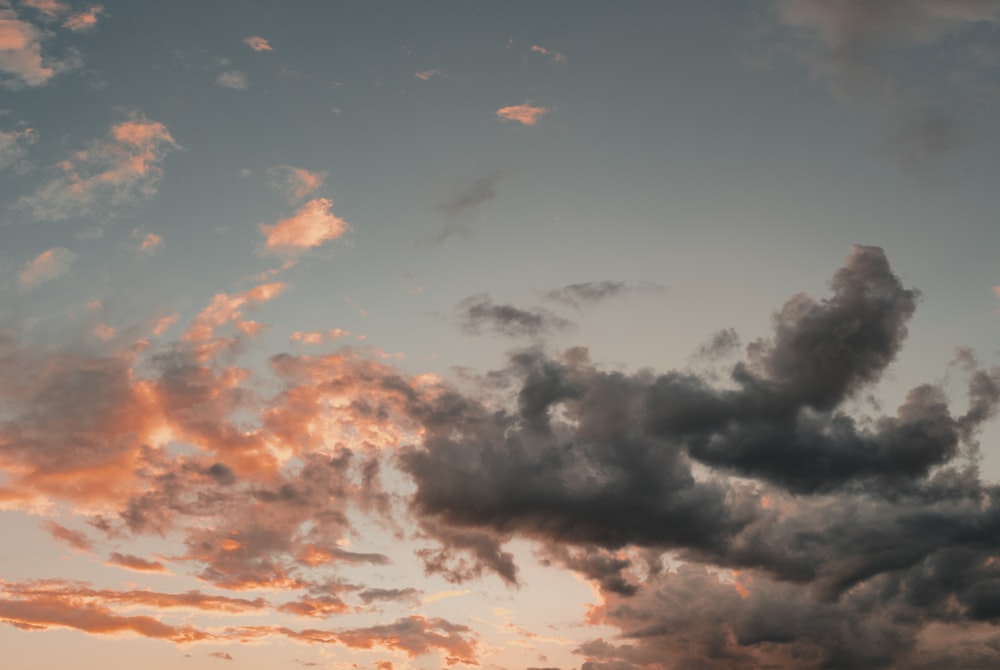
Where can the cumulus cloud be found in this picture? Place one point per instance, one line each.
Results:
(257, 43)
(312, 225)
(21, 60)
(46, 266)
(232, 79)
(525, 114)
(294, 182)
(479, 311)
(119, 170)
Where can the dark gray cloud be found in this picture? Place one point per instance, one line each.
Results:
(856, 538)
(576, 295)
(461, 205)
(479, 312)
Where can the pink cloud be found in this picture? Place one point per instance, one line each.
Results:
(258, 43)
(84, 20)
(50, 8)
(294, 182)
(149, 243)
(311, 226)
(48, 265)
(21, 53)
(113, 172)
(427, 74)
(525, 114)
(136, 564)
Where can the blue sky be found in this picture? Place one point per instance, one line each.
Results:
(426, 333)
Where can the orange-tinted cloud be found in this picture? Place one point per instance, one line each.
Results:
(525, 114)
(135, 563)
(554, 55)
(295, 183)
(117, 171)
(46, 266)
(73, 538)
(427, 74)
(49, 8)
(84, 20)
(257, 43)
(311, 226)
(21, 57)
(415, 636)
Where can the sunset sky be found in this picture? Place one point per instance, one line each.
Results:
(552, 334)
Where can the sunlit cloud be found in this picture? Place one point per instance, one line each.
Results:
(525, 114)
(136, 564)
(294, 182)
(48, 265)
(257, 43)
(119, 170)
(50, 8)
(428, 74)
(311, 226)
(21, 58)
(146, 243)
(84, 20)
(555, 56)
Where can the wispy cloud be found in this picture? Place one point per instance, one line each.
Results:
(257, 43)
(461, 205)
(113, 172)
(232, 79)
(50, 8)
(428, 74)
(554, 56)
(576, 295)
(83, 20)
(312, 225)
(295, 182)
(479, 311)
(46, 266)
(13, 145)
(525, 114)
(136, 564)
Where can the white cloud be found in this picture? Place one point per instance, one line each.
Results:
(232, 79)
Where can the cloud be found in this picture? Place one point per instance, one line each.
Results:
(232, 79)
(461, 205)
(221, 655)
(13, 146)
(257, 43)
(146, 243)
(21, 58)
(48, 265)
(525, 114)
(83, 20)
(479, 311)
(114, 172)
(415, 636)
(73, 538)
(295, 183)
(427, 74)
(312, 225)
(555, 56)
(575, 295)
(136, 564)
(50, 8)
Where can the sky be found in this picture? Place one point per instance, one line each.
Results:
(552, 334)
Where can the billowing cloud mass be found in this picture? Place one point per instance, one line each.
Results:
(758, 521)
(46, 266)
(525, 114)
(311, 226)
(21, 60)
(257, 43)
(119, 170)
